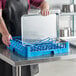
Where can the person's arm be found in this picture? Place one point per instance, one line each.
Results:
(43, 5)
(3, 30)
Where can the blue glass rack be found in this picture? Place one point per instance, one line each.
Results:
(47, 46)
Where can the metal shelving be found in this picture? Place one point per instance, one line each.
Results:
(71, 14)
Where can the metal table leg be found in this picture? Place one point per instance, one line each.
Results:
(22, 71)
(15, 71)
(19, 70)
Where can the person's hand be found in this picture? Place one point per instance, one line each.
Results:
(6, 39)
(44, 8)
(45, 12)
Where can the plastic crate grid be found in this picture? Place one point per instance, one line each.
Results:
(35, 48)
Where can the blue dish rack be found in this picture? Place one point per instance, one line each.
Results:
(47, 46)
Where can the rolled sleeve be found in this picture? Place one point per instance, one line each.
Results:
(36, 3)
(0, 4)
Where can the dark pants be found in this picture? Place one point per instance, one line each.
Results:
(6, 69)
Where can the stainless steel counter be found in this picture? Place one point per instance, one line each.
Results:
(17, 60)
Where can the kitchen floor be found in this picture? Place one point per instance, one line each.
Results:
(59, 68)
